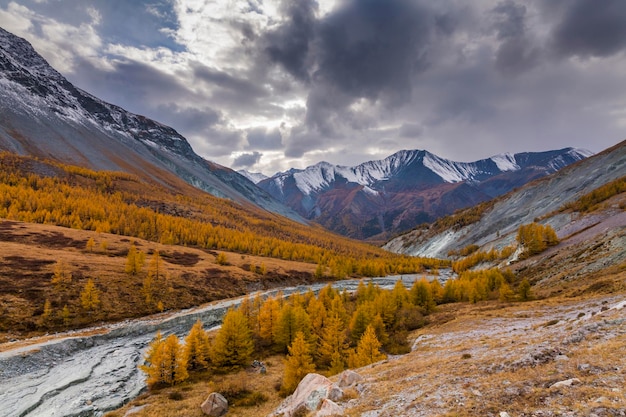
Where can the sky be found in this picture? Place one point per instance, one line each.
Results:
(268, 85)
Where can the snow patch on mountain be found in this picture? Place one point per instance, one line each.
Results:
(505, 162)
(255, 177)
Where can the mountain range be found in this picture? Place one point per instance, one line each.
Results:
(44, 115)
(410, 187)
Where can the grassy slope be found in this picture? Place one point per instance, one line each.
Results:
(30, 252)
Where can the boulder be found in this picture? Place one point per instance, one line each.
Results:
(215, 405)
(348, 378)
(329, 408)
(308, 396)
(566, 383)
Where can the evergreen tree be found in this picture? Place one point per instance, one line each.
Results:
(524, 290)
(292, 320)
(368, 350)
(90, 244)
(197, 348)
(233, 344)
(298, 363)
(333, 344)
(134, 260)
(47, 313)
(62, 275)
(165, 361)
(421, 295)
(90, 296)
(268, 320)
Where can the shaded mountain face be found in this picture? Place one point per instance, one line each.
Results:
(44, 115)
(378, 198)
(497, 226)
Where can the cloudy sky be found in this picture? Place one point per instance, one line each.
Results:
(267, 85)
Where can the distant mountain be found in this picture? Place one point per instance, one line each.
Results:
(410, 187)
(255, 177)
(498, 223)
(44, 115)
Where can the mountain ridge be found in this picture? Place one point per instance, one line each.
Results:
(44, 115)
(406, 188)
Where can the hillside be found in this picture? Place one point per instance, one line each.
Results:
(495, 224)
(101, 213)
(43, 115)
(377, 199)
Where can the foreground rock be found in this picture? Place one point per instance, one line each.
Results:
(317, 393)
(215, 405)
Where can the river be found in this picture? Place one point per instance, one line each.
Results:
(74, 374)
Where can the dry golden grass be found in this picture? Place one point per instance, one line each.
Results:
(158, 403)
(29, 253)
(482, 364)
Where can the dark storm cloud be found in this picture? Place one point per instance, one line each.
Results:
(591, 28)
(130, 84)
(247, 160)
(288, 45)
(372, 49)
(194, 120)
(262, 138)
(516, 52)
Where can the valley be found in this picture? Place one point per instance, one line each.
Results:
(506, 275)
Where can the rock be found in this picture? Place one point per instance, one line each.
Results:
(215, 405)
(329, 408)
(309, 394)
(566, 383)
(561, 358)
(335, 393)
(504, 414)
(348, 378)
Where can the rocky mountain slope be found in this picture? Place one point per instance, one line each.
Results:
(44, 115)
(408, 188)
(495, 225)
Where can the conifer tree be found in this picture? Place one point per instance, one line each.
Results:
(292, 320)
(64, 314)
(421, 295)
(90, 244)
(368, 349)
(333, 344)
(165, 361)
(134, 260)
(47, 313)
(152, 359)
(268, 320)
(62, 275)
(90, 296)
(233, 344)
(298, 363)
(197, 348)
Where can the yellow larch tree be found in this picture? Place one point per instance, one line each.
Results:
(233, 344)
(90, 296)
(297, 364)
(368, 350)
(197, 348)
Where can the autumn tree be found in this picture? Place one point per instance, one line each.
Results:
(333, 345)
(298, 363)
(62, 275)
(46, 316)
(155, 283)
(524, 290)
(269, 314)
(165, 361)
(421, 295)
(134, 260)
(90, 296)
(292, 319)
(368, 350)
(197, 348)
(233, 344)
(90, 245)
